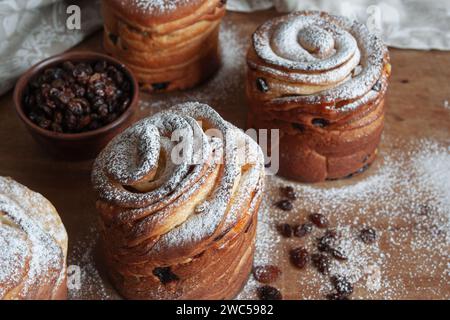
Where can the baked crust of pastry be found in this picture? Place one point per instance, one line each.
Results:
(168, 44)
(34, 245)
(321, 80)
(179, 229)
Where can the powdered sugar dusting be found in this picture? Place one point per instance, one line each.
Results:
(224, 84)
(150, 6)
(404, 196)
(446, 104)
(29, 243)
(14, 255)
(91, 282)
(314, 48)
(224, 178)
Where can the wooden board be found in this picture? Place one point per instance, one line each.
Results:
(416, 111)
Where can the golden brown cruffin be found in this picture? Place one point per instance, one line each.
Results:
(168, 44)
(176, 229)
(33, 245)
(321, 80)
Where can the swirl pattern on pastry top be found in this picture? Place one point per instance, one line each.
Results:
(315, 58)
(33, 242)
(168, 209)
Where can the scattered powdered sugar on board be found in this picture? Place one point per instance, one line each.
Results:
(223, 86)
(91, 283)
(405, 197)
(446, 105)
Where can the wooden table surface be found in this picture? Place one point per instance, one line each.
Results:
(416, 110)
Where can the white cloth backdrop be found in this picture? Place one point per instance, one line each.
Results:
(32, 30)
(412, 24)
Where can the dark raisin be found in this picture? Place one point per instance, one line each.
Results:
(424, 210)
(111, 117)
(47, 110)
(368, 235)
(58, 117)
(321, 262)
(404, 81)
(114, 38)
(58, 83)
(56, 127)
(324, 243)
(33, 117)
(85, 121)
(44, 123)
(75, 107)
(100, 66)
(94, 125)
(336, 296)
(377, 86)
(269, 293)
(303, 229)
(103, 111)
(110, 92)
(78, 90)
(298, 126)
(119, 77)
(284, 205)
(285, 230)
(49, 74)
(68, 66)
(261, 84)
(320, 123)
(342, 285)
(124, 105)
(319, 220)
(70, 96)
(97, 102)
(70, 121)
(165, 275)
(299, 257)
(266, 274)
(160, 86)
(288, 192)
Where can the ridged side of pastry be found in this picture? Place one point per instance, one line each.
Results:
(321, 80)
(168, 44)
(176, 229)
(33, 245)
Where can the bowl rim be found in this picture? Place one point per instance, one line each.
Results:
(25, 78)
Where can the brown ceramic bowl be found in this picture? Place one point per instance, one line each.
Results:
(76, 146)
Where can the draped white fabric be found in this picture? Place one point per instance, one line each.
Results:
(409, 24)
(32, 30)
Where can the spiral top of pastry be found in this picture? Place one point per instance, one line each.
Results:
(33, 244)
(322, 59)
(176, 203)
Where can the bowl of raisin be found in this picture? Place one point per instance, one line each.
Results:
(73, 104)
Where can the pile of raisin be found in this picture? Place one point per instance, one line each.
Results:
(77, 97)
